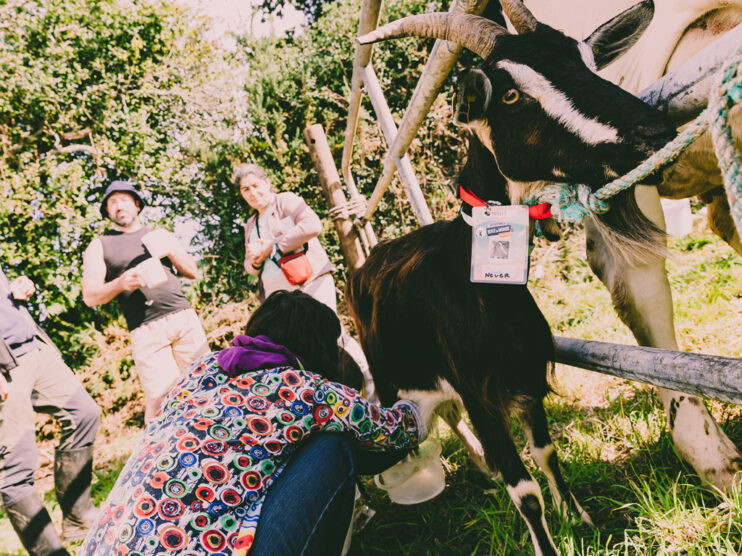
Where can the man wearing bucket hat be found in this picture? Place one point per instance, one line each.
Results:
(33, 377)
(134, 265)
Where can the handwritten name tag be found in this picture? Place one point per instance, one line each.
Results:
(499, 253)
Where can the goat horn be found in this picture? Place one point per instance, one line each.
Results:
(520, 16)
(476, 33)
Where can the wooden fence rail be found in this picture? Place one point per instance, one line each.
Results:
(708, 376)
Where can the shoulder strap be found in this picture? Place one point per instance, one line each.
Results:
(278, 255)
(257, 220)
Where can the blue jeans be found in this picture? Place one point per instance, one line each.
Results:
(307, 510)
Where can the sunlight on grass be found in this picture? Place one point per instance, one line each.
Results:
(672, 517)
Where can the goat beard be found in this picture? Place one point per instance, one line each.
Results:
(631, 237)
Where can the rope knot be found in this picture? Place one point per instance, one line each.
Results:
(569, 203)
(588, 200)
(356, 206)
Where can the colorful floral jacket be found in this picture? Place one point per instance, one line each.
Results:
(197, 480)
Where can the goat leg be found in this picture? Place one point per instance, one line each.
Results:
(532, 416)
(501, 453)
(720, 217)
(641, 296)
(451, 413)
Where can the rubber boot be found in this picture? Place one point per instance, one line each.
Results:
(73, 471)
(34, 527)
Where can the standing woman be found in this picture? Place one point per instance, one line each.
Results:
(283, 224)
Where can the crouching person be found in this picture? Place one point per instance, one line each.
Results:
(33, 377)
(253, 449)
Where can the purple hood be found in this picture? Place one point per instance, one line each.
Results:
(254, 353)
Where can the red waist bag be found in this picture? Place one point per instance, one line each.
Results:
(296, 267)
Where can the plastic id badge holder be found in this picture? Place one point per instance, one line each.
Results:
(499, 251)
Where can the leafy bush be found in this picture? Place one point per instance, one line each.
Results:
(92, 90)
(298, 81)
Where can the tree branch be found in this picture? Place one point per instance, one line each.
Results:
(75, 135)
(74, 149)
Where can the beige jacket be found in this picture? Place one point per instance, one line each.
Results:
(293, 224)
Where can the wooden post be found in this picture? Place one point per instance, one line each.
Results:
(707, 376)
(319, 150)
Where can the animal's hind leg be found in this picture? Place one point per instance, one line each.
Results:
(500, 453)
(641, 296)
(451, 413)
(533, 418)
(354, 350)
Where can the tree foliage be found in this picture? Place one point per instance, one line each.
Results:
(92, 90)
(299, 81)
(312, 9)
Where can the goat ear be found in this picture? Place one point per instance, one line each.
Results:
(615, 37)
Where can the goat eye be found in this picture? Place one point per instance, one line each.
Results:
(511, 96)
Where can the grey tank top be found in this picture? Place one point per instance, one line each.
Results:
(122, 251)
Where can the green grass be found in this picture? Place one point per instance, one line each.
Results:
(621, 466)
(610, 434)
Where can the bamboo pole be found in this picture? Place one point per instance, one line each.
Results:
(319, 150)
(369, 19)
(707, 376)
(441, 60)
(402, 164)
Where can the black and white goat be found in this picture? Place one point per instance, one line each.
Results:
(432, 335)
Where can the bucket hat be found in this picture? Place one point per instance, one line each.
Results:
(123, 186)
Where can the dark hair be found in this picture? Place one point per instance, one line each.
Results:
(304, 325)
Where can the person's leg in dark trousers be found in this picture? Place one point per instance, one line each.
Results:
(57, 392)
(24, 507)
(307, 510)
(43, 383)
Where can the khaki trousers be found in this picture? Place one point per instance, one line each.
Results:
(164, 348)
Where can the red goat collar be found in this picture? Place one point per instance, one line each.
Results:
(536, 212)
